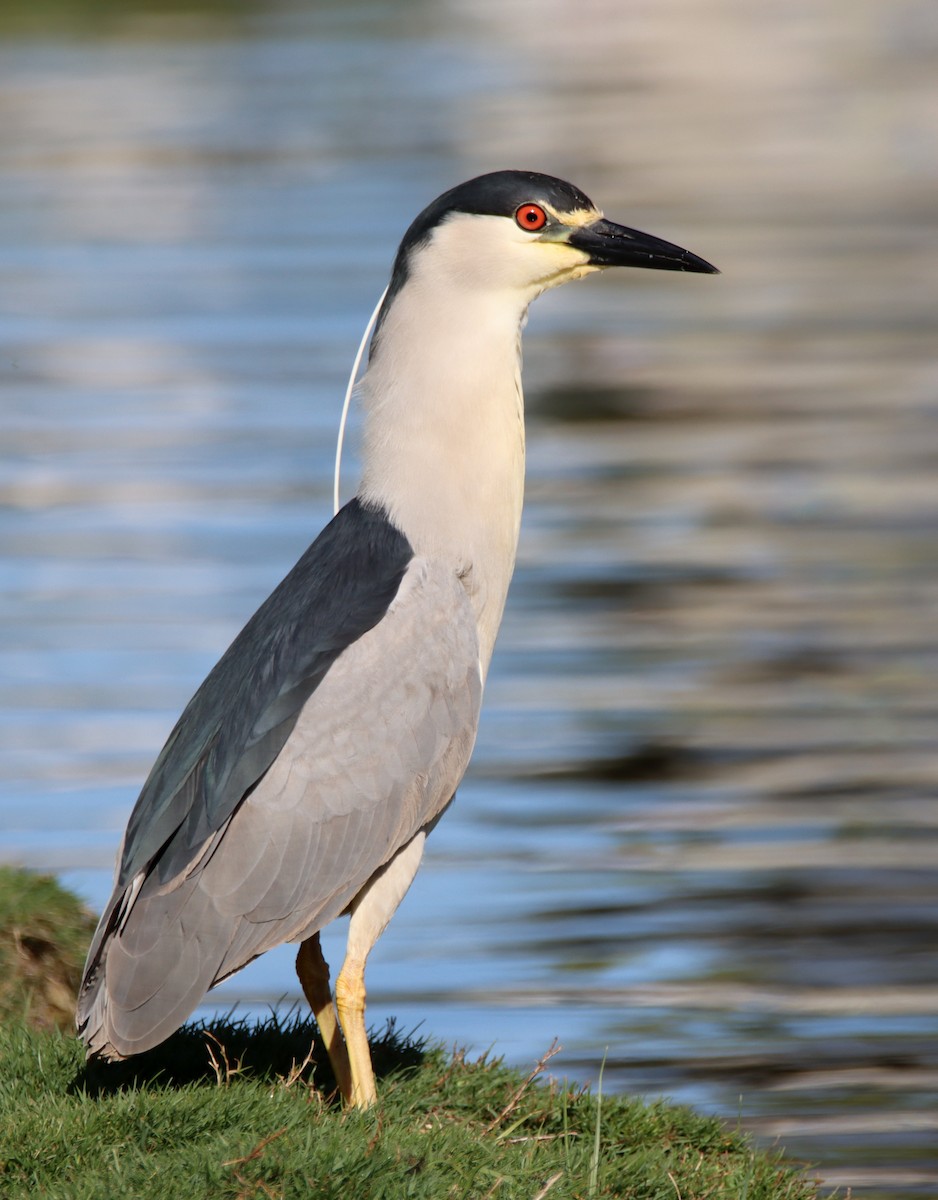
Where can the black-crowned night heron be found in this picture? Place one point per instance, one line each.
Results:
(303, 778)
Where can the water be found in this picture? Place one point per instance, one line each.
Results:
(699, 832)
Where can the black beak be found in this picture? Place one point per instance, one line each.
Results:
(610, 245)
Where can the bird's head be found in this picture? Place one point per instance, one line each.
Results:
(525, 232)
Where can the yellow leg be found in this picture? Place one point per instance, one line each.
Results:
(313, 971)
(371, 910)
(350, 1002)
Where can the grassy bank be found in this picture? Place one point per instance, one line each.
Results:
(236, 1111)
(44, 934)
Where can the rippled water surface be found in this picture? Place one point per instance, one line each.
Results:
(699, 834)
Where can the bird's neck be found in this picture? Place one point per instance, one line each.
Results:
(443, 444)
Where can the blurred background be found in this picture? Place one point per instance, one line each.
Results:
(699, 835)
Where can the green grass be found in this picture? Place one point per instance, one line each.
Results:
(241, 1111)
(44, 935)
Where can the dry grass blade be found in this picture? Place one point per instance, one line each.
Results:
(539, 1137)
(249, 1189)
(224, 1071)
(548, 1185)
(297, 1069)
(258, 1149)
(539, 1066)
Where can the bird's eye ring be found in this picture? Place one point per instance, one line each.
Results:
(531, 217)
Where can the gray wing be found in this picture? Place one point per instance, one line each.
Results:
(239, 719)
(371, 747)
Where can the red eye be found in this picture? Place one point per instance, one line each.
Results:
(531, 217)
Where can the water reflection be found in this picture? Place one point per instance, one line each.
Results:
(700, 828)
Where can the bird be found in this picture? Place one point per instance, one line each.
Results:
(302, 779)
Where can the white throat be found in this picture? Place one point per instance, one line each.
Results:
(443, 440)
